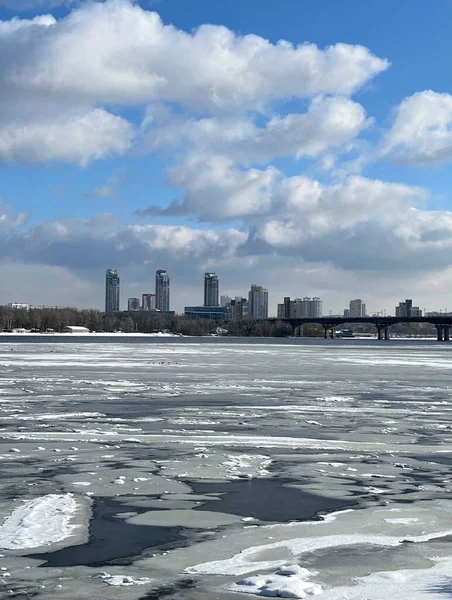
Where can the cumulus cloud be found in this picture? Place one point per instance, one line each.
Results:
(117, 53)
(76, 138)
(330, 122)
(422, 130)
(216, 189)
(134, 57)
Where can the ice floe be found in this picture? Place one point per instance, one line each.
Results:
(39, 522)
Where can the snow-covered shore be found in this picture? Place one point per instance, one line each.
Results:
(158, 334)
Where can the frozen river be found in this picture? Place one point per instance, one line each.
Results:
(225, 469)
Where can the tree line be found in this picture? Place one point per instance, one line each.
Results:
(45, 319)
(56, 319)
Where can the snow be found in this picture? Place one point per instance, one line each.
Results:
(39, 522)
(287, 582)
(422, 584)
(247, 560)
(122, 580)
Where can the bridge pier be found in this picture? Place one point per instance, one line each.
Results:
(439, 331)
(328, 331)
(383, 331)
(446, 333)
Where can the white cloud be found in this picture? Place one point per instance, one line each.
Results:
(116, 53)
(77, 138)
(422, 130)
(216, 190)
(330, 122)
(134, 57)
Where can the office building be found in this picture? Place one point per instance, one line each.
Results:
(148, 301)
(258, 302)
(111, 291)
(213, 313)
(133, 304)
(211, 289)
(406, 309)
(162, 290)
(357, 308)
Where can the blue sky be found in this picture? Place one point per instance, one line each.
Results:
(316, 169)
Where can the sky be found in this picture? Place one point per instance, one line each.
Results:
(302, 145)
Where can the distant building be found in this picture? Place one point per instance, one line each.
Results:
(357, 308)
(148, 301)
(311, 307)
(133, 304)
(19, 306)
(214, 313)
(75, 329)
(225, 301)
(162, 290)
(239, 309)
(406, 309)
(306, 308)
(258, 302)
(112, 291)
(211, 289)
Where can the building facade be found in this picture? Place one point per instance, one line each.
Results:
(112, 291)
(239, 309)
(133, 304)
(406, 309)
(357, 308)
(213, 313)
(148, 301)
(211, 289)
(306, 308)
(258, 302)
(225, 301)
(162, 290)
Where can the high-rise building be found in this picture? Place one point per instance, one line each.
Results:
(162, 290)
(133, 304)
(357, 308)
(211, 289)
(258, 302)
(148, 301)
(112, 291)
(309, 308)
(306, 308)
(406, 309)
(225, 301)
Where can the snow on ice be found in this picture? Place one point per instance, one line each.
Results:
(288, 582)
(39, 522)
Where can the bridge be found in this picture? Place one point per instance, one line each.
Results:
(443, 324)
